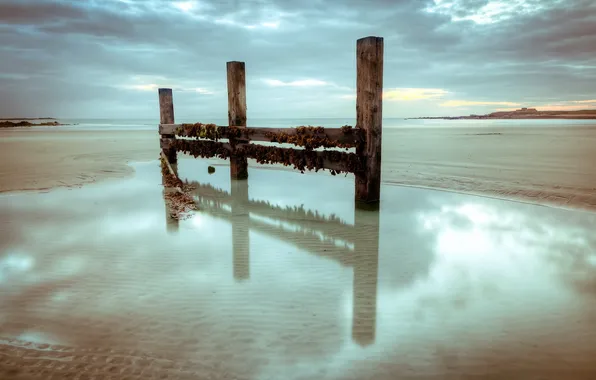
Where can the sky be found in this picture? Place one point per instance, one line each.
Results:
(107, 58)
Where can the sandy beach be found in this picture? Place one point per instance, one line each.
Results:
(544, 165)
(40, 160)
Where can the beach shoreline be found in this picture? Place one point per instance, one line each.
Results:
(544, 166)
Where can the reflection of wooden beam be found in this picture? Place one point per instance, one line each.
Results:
(305, 228)
(330, 225)
(240, 230)
(366, 271)
(306, 239)
(351, 138)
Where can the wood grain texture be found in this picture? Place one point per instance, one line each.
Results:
(369, 114)
(237, 112)
(166, 116)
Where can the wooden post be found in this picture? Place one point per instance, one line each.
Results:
(240, 230)
(369, 116)
(237, 112)
(166, 116)
(366, 271)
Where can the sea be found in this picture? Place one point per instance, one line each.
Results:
(388, 123)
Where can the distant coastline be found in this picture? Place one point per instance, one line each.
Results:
(27, 118)
(523, 113)
(10, 124)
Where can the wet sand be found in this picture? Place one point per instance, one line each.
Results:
(547, 165)
(45, 159)
(269, 280)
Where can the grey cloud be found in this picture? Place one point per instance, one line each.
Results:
(31, 12)
(94, 48)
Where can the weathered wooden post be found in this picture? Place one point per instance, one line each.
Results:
(369, 116)
(237, 112)
(166, 116)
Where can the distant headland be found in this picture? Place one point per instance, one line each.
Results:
(27, 118)
(522, 113)
(26, 122)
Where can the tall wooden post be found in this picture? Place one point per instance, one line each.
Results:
(366, 272)
(369, 116)
(237, 112)
(166, 116)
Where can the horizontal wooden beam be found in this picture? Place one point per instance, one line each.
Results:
(349, 138)
(309, 241)
(332, 160)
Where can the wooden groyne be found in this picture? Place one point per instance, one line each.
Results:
(204, 139)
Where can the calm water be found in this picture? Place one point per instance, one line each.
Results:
(259, 285)
(151, 124)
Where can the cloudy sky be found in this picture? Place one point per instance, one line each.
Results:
(106, 58)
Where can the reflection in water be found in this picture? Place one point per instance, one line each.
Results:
(314, 233)
(240, 230)
(172, 223)
(366, 272)
(435, 285)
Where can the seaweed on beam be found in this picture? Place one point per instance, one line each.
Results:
(200, 130)
(203, 149)
(308, 137)
(301, 159)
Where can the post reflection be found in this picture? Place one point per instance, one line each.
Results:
(172, 223)
(240, 230)
(366, 274)
(308, 230)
